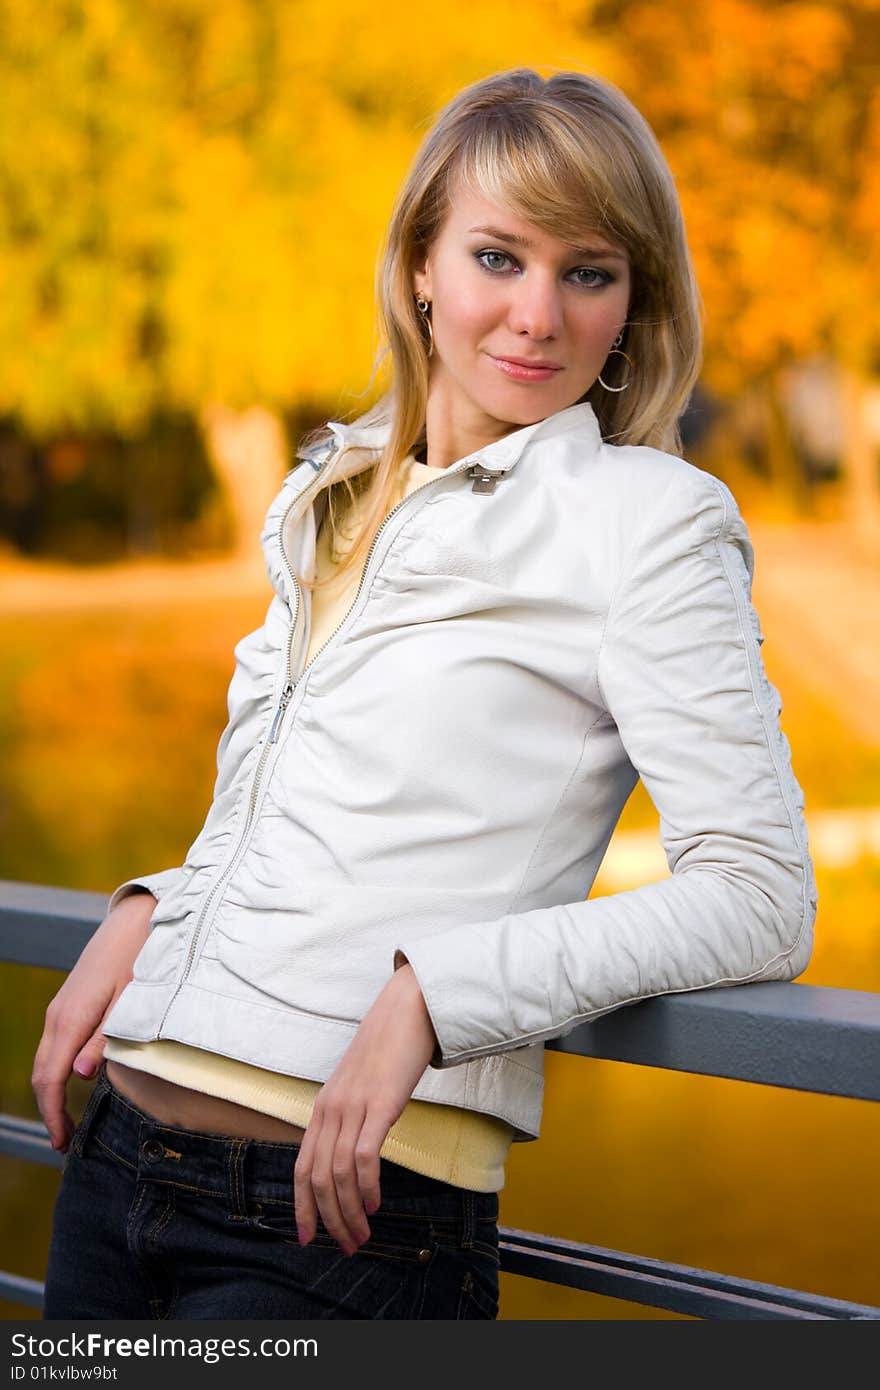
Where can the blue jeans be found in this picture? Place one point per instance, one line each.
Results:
(155, 1221)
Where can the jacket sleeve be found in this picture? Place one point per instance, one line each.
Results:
(157, 884)
(680, 672)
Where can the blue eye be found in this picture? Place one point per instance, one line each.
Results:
(605, 278)
(481, 254)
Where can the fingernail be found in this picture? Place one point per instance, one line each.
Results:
(83, 1069)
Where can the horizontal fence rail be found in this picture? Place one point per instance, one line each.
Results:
(800, 1037)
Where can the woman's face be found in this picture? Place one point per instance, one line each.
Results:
(494, 298)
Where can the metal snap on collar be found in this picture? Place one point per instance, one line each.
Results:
(485, 479)
(424, 1256)
(152, 1150)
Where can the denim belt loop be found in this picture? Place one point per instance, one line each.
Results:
(236, 1189)
(469, 1222)
(100, 1089)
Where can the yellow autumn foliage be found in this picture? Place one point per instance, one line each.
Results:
(196, 190)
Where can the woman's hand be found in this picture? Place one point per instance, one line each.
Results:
(72, 1036)
(337, 1170)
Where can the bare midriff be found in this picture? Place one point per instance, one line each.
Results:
(185, 1108)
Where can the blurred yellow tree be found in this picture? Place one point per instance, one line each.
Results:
(194, 195)
(770, 118)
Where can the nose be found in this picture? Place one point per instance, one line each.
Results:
(536, 306)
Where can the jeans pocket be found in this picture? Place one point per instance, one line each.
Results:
(384, 1278)
(479, 1293)
(80, 1135)
(393, 1236)
(485, 1240)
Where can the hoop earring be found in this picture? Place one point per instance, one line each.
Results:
(423, 306)
(616, 349)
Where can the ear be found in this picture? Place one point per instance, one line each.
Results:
(422, 280)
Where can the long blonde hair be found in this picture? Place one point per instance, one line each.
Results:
(571, 154)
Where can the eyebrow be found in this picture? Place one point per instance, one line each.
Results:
(518, 240)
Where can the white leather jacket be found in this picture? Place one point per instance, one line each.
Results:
(537, 627)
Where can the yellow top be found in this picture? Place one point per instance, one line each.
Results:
(458, 1146)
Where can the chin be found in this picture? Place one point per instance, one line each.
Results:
(527, 409)
(506, 414)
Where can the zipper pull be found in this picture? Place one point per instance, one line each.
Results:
(282, 706)
(485, 478)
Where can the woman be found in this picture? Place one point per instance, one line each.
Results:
(500, 597)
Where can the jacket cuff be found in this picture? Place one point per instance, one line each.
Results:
(157, 884)
(455, 1008)
(437, 1060)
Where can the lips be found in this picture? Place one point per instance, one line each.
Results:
(533, 362)
(519, 370)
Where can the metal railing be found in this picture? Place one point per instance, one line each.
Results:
(800, 1037)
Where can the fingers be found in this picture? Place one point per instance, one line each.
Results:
(323, 1185)
(76, 1016)
(337, 1170)
(59, 1123)
(56, 1054)
(49, 1085)
(344, 1187)
(305, 1205)
(368, 1161)
(336, 1175)
(88, 1059)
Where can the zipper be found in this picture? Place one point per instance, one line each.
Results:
(475, 471)
(486, 480)
(286, 695)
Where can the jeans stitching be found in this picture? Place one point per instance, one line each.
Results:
(424, 1285)
(464, 1288)
(324, 1241)
(83, 1129)
(468, 1293)
(481, 1248)
(150, 1253)
(132, 1215)
(468, 1211)
(448, 1224)
(236, 1204)
(163, 1182)
(229, 1158)
(241, 1155)
(152, 1240)
(140, 1263)
(113, 1154)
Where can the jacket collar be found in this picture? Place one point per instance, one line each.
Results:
(353, 447)
(354, 444)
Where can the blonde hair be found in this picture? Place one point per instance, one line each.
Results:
(571, 154)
